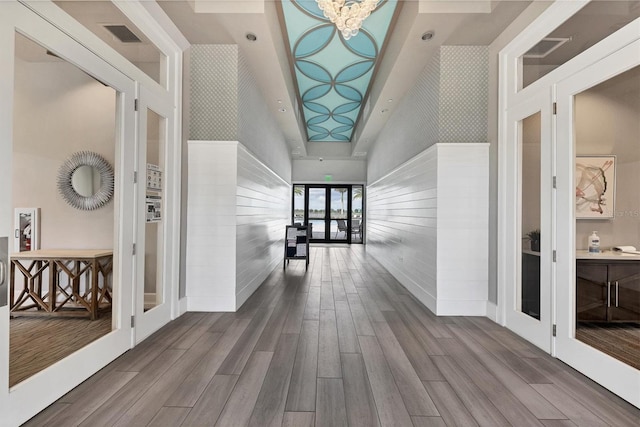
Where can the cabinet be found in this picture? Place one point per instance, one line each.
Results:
(531, 283)
(296, 244)
(607, 290)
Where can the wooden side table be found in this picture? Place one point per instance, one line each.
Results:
(67, 271)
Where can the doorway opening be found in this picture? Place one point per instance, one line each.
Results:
(334, 211)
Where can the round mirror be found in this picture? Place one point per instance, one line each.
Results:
(86, 181)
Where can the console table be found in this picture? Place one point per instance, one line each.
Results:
(77, 282)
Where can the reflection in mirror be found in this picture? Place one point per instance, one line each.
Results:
(86, 180)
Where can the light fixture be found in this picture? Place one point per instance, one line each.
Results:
(251, 37)
(347, 14)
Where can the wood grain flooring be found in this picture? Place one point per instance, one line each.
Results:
(342, 344)
(38, 342)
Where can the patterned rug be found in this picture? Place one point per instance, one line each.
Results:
(619, 340)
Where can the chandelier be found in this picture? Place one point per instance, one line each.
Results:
(347, 14)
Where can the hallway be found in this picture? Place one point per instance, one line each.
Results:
(342, 344)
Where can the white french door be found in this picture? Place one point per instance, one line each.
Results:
(152, 292)
(613, 374)
(527, 192)
(34, 394)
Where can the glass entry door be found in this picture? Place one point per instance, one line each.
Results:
(328, 210)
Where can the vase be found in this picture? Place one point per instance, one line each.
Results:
(535, 245)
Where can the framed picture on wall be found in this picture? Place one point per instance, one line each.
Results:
(595, 187)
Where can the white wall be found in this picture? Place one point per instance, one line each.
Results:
(341, 171)
(59, 110)
(428, 225)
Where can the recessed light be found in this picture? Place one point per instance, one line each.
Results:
(282, 110)
(390, 100)
(428, 35)
(386, 110)
(251, 37)
(279, 101)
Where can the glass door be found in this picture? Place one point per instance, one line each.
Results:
(328, 210)
(53, 86)
(598, 295)
(152, 293)
(528, 257)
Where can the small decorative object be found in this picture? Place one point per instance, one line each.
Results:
(594, 243)
(595, 186)
(534, 237)
(86, 181)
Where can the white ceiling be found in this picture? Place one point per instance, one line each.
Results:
(455, 22)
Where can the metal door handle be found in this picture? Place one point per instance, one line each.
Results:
(3, 272)
(617, 293)
(608, 294)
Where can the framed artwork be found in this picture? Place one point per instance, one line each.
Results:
(595, 187)
(27, 229)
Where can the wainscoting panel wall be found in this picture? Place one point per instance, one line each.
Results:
(262, 211)
(237, 212)
(428, 225)
(402, 224)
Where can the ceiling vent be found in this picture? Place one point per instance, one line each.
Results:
(123, 33)
(546, 46)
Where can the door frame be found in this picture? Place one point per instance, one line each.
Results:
(327, 219)
(613, 374)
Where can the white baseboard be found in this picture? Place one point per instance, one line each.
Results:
(459, 307)
(211, 304)
(492, 311)
(182, 306)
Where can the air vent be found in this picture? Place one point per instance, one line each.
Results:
(546, 46)
(123, 33)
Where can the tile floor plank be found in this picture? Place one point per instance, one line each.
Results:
(269, 408)
(194, 384)
(347, 337)
(293, 324)
(302, 389)
(573, 409)
(330, 406)
(239, 406)
(299, 419)
(360, 404)
(451, 409)
(416, 398)
(210, 404)
(328, 347)
(428, 422)
(169, 417)
(312, 309)
(391, 407)
(326, 296)
(359, 316)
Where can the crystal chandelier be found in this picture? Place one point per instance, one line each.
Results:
(347, 14)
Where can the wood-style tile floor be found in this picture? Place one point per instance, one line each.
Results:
(343, 344)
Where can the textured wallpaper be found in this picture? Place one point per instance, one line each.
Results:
(214, 93)
(464, 92)
(449, 103)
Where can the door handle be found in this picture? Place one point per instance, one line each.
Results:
(617, 286)
(3, 272)
(608, 294)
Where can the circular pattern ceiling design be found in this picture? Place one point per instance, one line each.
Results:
(333, 74)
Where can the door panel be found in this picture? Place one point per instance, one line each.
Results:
(37, 392)
(529, 169)
(152, 293)
(609, 83)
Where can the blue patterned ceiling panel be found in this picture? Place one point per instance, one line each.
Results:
(333, 74)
